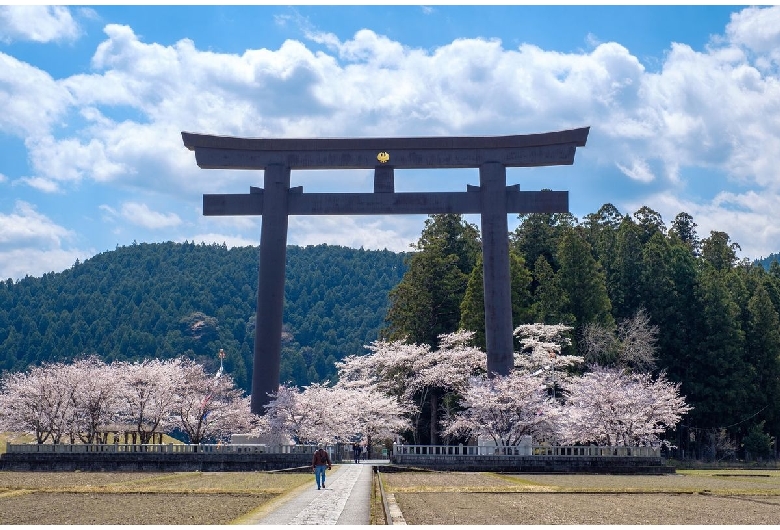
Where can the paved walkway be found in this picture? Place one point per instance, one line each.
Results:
(346, 499)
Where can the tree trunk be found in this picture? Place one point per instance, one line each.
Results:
(434, 417)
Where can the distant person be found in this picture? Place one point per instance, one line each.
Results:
(318, 463)
(356, 450)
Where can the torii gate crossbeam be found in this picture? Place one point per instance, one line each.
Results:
(492, 199)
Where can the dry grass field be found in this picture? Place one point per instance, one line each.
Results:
(138, 498)
(690, 497)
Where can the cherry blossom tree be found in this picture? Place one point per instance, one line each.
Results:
(443, 373)
(301, 414)
(148, 395)
(416, 374)
(389, 367)
(541, 352)
(338, 414)
(39, 401)
(370, 414)
(505, 408)
(95, 398)
(611, 406)
(81, 399)
(209, 406)
(23, 406)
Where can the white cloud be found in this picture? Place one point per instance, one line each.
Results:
(31, 100)
(32, 244)
(20, 262)
(37, 23)
(141, 215)
(717, 109)
(389, 232)
(26, 227)
(639, 170)
(70, 159)
(229, 240)
(110, 214)
(748, 218)
(757, 29)
(39, 183)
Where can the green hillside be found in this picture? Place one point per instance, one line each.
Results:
(164, 300)
(767, 261)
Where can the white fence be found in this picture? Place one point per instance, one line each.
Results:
(398, 449)
(524, 450)
(159, 448)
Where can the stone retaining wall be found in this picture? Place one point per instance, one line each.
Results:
(536, 464)
(151, 462)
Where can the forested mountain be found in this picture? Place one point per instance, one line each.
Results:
(164, 300)
(767, 261)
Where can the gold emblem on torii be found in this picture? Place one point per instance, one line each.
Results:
(383, 157)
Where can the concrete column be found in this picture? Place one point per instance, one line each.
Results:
(270, 287)
(495, 254)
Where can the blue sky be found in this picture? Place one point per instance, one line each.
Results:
(683, 105)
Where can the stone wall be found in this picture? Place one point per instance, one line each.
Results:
(535, 464)
(151, 462)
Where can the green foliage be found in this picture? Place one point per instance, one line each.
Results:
(718, 380)
(583, 279)
(472, 308)
(164, 300)
(757, 443)
(719, 251)
(427, 301)
(551, 300)
(762, 342)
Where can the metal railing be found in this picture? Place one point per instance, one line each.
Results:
(160, 448)
(524, 450)
(398, 449)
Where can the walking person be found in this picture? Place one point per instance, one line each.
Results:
(318, 463)
(356, 450)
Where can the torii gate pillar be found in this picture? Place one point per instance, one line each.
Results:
(495, 266)
(270, 281)
(276, 201)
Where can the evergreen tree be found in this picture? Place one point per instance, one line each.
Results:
(718, 382)
(550, 302)
(624, 294)
(673, 305)
(601, 231)
(649, 222)
(426, 303)
(582, 277)
(472, 309)
(719, 251)
(762, 342)
(538, 235)
(685, 229)
(473, 306)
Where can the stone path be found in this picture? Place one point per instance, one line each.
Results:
(345, 500)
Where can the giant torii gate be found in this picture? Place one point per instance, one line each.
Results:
(492, 199)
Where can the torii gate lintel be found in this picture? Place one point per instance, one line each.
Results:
(276, 201)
